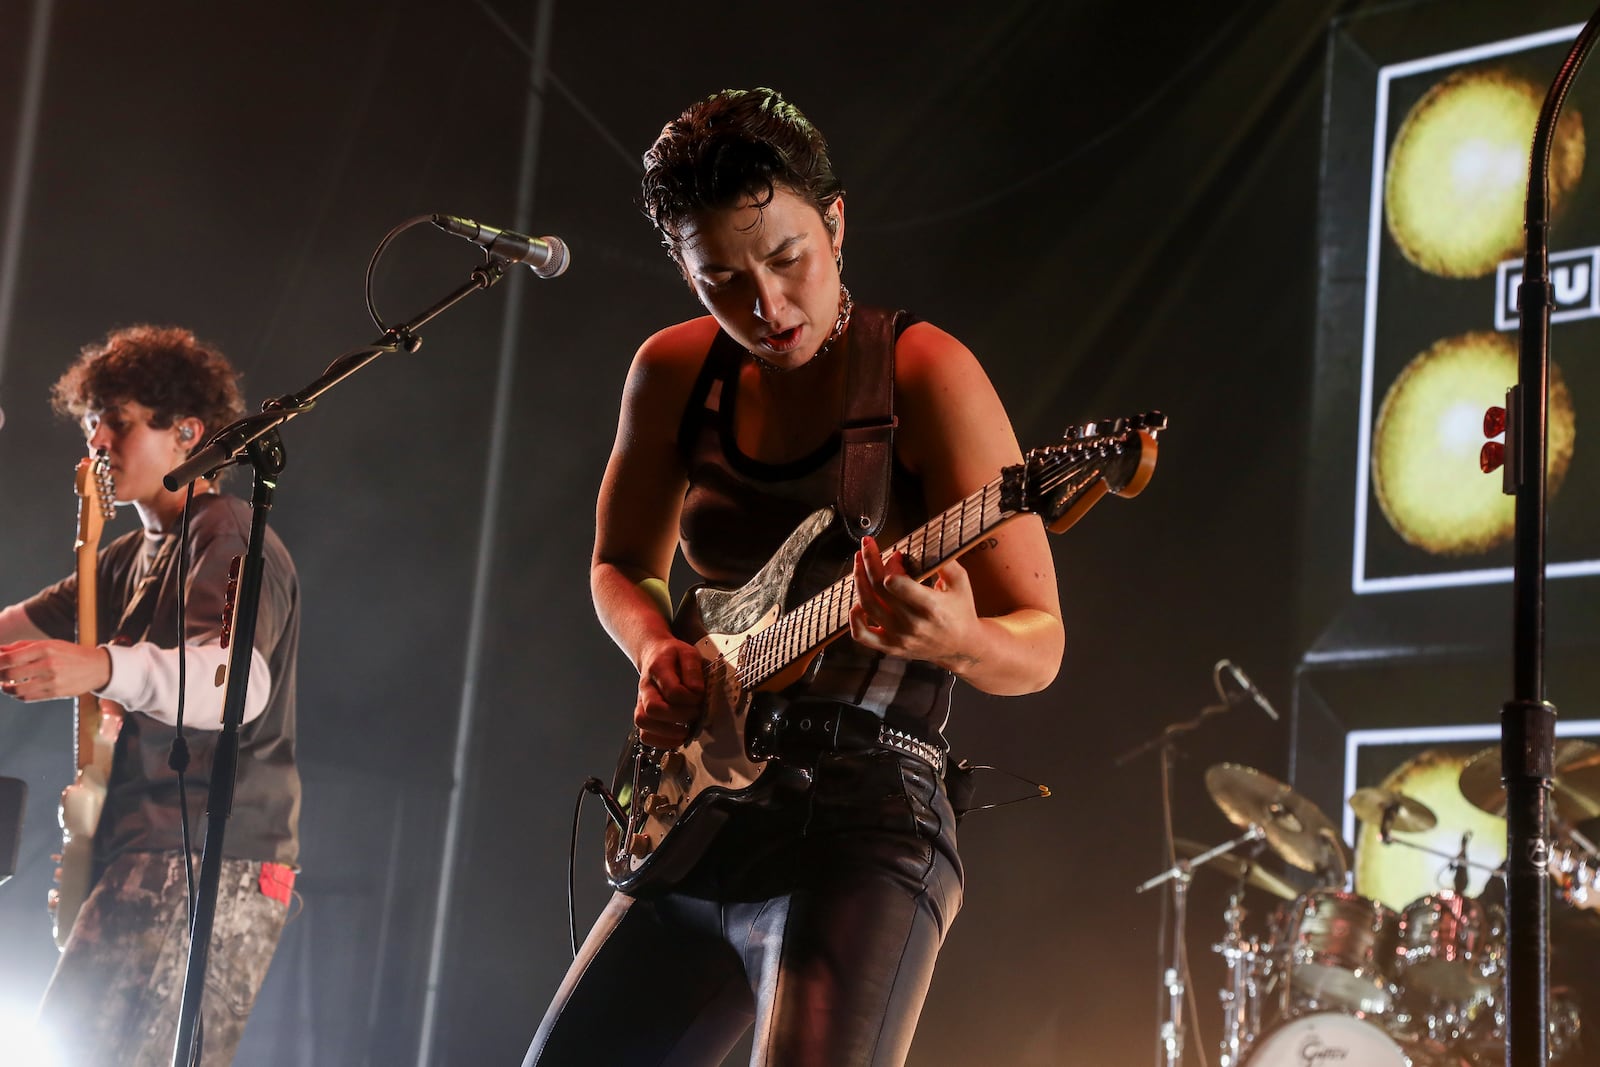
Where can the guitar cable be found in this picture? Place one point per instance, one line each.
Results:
(615, 813)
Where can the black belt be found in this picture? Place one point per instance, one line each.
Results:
(803, 731)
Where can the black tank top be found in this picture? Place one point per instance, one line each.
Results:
(738, 510)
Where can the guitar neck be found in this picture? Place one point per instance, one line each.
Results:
(826, 616)
(87, 715)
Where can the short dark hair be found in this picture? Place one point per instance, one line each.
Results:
(736, 145)
(165, 368)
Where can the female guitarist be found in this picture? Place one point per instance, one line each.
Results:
(146, 396)
(816, 914)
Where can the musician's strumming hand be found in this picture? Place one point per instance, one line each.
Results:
(47, 669)
(897, 615)
(672, 694)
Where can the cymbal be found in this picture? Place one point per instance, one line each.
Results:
(1296, 829)
(1409, 815)
(1575, 786)
(1235, 866)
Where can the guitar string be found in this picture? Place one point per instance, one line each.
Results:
(766, 653)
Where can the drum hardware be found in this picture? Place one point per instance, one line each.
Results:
(1244, 958)
(1174, 962)
(1174, 977)
(1245, 870)
(1241, 997)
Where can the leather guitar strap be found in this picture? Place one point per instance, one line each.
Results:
(868, 423)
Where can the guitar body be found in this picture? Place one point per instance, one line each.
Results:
(79, 813)
(675, 801)
(754, 641)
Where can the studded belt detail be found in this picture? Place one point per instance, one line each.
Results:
(798, 734)
(901, 741)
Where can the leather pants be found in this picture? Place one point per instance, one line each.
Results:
(817, 920)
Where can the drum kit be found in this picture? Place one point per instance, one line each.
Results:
(1335, 975)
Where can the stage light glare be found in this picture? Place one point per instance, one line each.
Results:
(1395, 875)
(1456, 180)
(1427, 445)
(23, 1042)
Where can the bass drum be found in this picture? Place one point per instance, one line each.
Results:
(1327, 1038)
(1331, 1038)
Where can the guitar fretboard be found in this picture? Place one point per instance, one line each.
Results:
(826, 615)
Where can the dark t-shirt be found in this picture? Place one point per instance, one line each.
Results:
(141, 811)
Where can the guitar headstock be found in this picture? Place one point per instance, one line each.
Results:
(1063, 480)
(96, 497)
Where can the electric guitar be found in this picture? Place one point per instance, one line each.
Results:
(82, 800)
(666, 806)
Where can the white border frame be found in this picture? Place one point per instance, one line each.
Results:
(1359, 582)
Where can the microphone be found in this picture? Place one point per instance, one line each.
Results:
(1243, 682)
(547, 256)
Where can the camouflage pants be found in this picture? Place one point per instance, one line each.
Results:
(115, 997)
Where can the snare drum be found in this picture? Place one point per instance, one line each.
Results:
(1450, 947)
(1336, 949)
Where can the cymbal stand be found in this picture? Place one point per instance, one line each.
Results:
(1169, 1049)
(1459, 863)
(1173, 979)
(1241, 1002)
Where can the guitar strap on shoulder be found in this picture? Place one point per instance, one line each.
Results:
(140, 612)
(867, 427)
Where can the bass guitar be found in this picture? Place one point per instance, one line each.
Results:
(94, 729)
(666, 806)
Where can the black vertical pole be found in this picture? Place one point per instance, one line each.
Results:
(267, 456)
(1528, 720)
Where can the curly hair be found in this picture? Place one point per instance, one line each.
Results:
(165, 368)
(733, 146)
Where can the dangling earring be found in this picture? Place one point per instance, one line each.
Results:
(838, 259)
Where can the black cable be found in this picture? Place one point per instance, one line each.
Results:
(178, 759)
(572, 865)
(1042, 789)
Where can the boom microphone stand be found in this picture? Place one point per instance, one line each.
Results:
(254, 438)
(1528, 720)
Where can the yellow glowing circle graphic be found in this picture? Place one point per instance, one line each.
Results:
(1428, 436)
(1456, 189)
(1395, 874)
